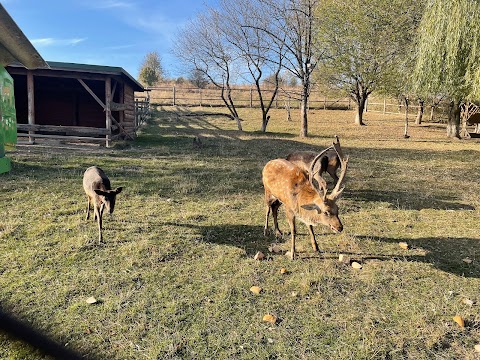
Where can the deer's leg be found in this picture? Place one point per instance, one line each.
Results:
(334, 176)
(291, 222)
(275, 207)
(99, 213)
(265, 229)
(88, 208)
(312, 237)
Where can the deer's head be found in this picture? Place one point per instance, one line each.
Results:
(323, 208)
(108, 198)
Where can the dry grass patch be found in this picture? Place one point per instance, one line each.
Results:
(174, 274)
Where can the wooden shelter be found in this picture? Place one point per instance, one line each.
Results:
(75, 102)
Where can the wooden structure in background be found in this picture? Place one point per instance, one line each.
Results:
(470, 116)
(75, 102)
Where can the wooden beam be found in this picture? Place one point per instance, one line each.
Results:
(90, 91)
(108, 112)
(64, 137)
(84, 130)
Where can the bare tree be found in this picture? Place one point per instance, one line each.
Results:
(293, 22)
(202, 45)
(262, 54)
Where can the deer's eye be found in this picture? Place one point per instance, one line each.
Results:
(326, 213)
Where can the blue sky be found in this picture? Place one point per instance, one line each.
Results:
(104, 32)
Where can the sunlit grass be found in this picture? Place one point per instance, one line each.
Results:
(174, 273)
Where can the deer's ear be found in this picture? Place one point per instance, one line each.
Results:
(100, 192)
(118, 190)
(310, 207)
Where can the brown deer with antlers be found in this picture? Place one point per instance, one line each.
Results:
(329, 162)
(288, 184)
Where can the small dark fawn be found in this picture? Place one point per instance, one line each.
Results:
(99, 192)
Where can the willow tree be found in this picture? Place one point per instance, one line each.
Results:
(448, 54)
(366, 44)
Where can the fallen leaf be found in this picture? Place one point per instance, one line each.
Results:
(256, 290)
(467, 260)
(468, 302)
(283, 271)
(259, 256)
(459, 320)
(270, 318)
(403, 245)
(91, 300)
(356, 265)
(477, 348)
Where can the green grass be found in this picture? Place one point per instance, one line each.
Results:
(174, 272)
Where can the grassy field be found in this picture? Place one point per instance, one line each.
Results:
(172, 277)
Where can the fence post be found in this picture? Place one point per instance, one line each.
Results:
(324, 103)
(349, 103)
(174, 99)
(384, 104)
(200, 93)
(251, 98)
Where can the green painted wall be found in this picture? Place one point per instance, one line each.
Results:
(8, 120)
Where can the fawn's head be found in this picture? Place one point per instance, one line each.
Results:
(108, 197)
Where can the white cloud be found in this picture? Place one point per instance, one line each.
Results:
(57, 42)
(113, 4)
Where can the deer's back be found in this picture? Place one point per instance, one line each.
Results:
(284, 180)
(95, 178)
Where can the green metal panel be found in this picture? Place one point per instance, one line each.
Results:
(8, 119)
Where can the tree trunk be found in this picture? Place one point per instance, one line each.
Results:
(265, 120)
(421, 109)
(453, 124)
(304, 111)
(360, 100)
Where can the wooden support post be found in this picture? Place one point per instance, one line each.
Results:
(251, 98)
(31, 104)
(108, 121)
(384, 104)
(174, 97)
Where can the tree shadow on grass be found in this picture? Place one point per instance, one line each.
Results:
(406, 201)
(448, 254)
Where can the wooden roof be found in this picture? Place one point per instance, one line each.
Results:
(14, 45)
(80, 70)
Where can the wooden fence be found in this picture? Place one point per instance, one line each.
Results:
(142, 110)
(242, 97)
(433, 111)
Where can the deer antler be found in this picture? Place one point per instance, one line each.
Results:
(312, 173)
(336, 192)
